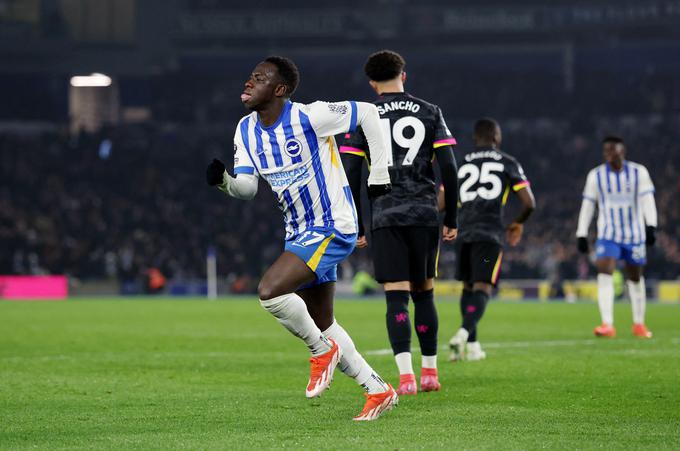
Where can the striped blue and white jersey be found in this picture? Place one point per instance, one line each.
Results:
(617, 196)
(298, 157)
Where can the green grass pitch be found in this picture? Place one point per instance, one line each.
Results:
(167, 374)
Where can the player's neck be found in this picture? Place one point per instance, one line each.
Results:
(389, 87)
(271, 112)
(617, 166)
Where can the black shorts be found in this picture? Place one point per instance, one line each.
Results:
(407, 253)
(479, 262)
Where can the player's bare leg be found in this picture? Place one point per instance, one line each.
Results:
(638, 299)
(605, 296)
(278, 297)
(464, 344)
(380, 395)
(427, 328)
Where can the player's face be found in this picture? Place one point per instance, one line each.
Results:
(613, 152)
(261, 86)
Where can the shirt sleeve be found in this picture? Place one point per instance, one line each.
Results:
(515, 173)
(646, 185)
(243, 164)
(442, 135)
(590, 190)
(355, 143)
(329, 119)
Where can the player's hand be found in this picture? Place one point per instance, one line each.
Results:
(449, 234)
(513, 234)
(214, 175)
(582, 245)
(650, 231)
(379, 190)
(361, 242)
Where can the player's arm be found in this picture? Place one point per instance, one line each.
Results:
(648, 206)
(333, 118)
(244, 184)
(449, 176)
(353, 155)
(587, 212)
(522, 189)
(443, 145)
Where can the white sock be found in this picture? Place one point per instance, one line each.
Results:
(352, 363)
(605, 298)
(638, 299)
(404, 363)
(290, 310)
(429, 361)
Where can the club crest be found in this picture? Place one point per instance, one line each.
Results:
(293, 147)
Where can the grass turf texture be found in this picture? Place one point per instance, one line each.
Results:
(159, 374)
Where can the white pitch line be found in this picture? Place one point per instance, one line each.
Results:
(527, 344)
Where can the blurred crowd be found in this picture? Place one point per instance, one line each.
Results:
(116, 204)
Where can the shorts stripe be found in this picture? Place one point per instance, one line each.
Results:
(497, 268)
(313, 262)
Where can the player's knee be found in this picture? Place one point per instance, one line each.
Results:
(265, 290)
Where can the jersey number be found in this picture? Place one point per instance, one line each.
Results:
(487, 176)
(397, 134)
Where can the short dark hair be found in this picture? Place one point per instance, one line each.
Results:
(288, 71)
(485, 128)
(384, 65)
(612, 139)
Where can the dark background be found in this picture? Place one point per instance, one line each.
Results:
(557, 78)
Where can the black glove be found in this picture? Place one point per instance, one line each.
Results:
(379, 190)
(582, 245)
(650, 231)
(214, 175)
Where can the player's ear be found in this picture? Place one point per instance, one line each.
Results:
(403, 77)
(281, 90)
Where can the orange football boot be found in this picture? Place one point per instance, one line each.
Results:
(640, 330)
(321, 370)
(605, 330)
(378, 404)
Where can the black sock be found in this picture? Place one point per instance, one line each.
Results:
(474, 311)
(398, 323)
(427, 322)
(464, 302)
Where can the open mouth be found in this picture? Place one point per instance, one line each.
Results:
(245, 97)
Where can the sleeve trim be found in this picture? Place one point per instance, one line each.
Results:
(521, 185)
(445, 142)
(352, 150)
(589, 198)
(244, 170)
(649, 191)
(353, 118)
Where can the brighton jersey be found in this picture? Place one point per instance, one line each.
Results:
(413, 129)
(298, 157)
(617, 195)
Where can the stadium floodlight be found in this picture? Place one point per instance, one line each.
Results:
(91, 81)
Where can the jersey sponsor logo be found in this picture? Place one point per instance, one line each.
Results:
(337, 108)
(286, 178)
(293, 147)
(406, 105)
